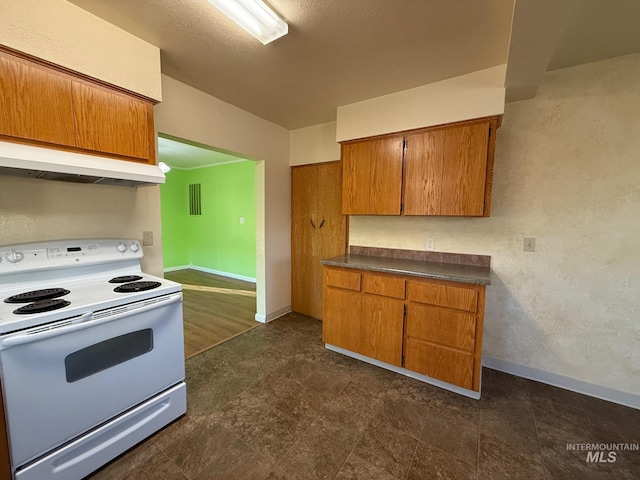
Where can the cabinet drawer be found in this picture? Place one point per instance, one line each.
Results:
(445, 295)
(347, 279)
(439, 325)
(451, 366)
(382, 285)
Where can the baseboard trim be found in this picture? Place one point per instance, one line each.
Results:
(407, 373)
(568, 383)
(214, 272)
(175, 269)
(273, 315)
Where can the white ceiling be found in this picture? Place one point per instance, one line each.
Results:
(179, 154)
(342, 51)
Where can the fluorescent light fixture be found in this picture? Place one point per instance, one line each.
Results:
(255, 17)
(164, 167)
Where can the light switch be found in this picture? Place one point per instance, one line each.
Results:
(241, 220)
(147, 238)
(529, 244)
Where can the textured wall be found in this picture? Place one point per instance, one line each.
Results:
(174, 204)
(567, 173)
(33, 210)
(315, 144)
(69, 36)
(477, 94)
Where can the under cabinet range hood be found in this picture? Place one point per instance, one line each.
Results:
(36, 162)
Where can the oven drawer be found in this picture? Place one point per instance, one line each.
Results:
(85, 455)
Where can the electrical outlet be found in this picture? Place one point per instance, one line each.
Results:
(147, 238)
(241, 220)
(431, 244)
(529, 244)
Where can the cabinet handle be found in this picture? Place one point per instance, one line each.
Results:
(312, 224)
(321, 224)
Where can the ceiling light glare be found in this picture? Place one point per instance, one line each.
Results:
(255, 17)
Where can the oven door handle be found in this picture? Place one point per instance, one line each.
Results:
(85, 320)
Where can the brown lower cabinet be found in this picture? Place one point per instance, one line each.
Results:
(432, 327)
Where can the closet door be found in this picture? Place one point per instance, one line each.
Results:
(318, 231)
(304, 195)
(330, 238)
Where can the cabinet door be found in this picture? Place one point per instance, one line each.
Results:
(306, 284)
(331, 224)
(342, 322)
(381, 324)
(35, 104)
(113, 123)
(422, 184)
(464, 170)
(372, 177)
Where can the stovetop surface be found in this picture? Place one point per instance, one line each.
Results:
(84, 296)
(84, 267)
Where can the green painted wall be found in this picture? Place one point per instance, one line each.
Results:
(173, 204)
(216, 239)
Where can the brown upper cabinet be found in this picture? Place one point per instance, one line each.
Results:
(372, 176)
(48, 106)
(35, 104)
(443, 170)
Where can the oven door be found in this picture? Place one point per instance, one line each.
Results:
(63, 379)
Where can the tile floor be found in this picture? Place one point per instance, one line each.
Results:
(274, 404)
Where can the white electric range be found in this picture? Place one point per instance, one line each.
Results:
(91, 354)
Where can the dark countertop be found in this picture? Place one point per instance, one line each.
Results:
(440, 271)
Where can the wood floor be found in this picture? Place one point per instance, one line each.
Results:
(215, 308)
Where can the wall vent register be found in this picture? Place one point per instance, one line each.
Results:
(195, 201)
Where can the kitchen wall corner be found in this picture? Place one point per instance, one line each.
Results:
(314, 144)
(567, 172)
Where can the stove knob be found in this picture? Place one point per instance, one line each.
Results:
(14, 257)
(121, 247)
(134, 247)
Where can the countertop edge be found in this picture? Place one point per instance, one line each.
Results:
(402, 271)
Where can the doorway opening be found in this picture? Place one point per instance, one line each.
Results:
(208, 211)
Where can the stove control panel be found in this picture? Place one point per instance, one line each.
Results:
(72, 252)
(44, 255)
